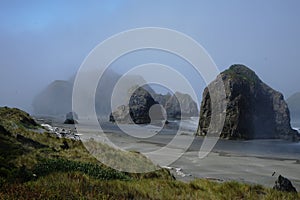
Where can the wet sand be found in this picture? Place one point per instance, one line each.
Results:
(244, 161)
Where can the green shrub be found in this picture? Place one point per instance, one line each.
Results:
(62, 165)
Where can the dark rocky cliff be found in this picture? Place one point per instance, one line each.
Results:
(254, 110)
(140, 103)
(181, 105)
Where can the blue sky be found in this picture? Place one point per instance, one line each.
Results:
(42, 41)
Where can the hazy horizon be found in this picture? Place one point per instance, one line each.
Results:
(47, 41)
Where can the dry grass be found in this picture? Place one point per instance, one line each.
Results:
(74, 185)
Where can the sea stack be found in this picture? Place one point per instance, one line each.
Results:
(253, 111)
(138, 109)
(181, 105)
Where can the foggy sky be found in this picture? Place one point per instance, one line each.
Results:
(46, 41)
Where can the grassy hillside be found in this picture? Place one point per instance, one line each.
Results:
(37, 165)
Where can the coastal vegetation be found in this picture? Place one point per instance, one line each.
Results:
(35, 164)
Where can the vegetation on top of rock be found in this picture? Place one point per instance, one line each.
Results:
(242, 72)
(16, 118)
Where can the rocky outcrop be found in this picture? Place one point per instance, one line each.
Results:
(71, 118)
(3, 130)
(285, 185)
(253, 110)
(120, 115)
(162, 99)
(139, 105)
(138, 109)
(294, 105)
(181, 105)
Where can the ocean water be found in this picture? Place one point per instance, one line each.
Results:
(189, 125)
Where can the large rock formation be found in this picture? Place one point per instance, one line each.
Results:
(138, 109)
(181, 105)
(294, 105)
(254, 110)
(55, 99)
